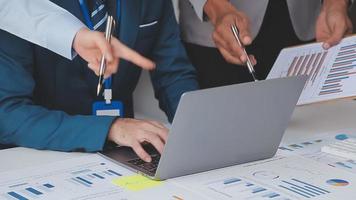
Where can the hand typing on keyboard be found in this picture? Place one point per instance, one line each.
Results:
(132, 133)
(150, 167)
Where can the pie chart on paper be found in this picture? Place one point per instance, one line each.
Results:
(337, 182)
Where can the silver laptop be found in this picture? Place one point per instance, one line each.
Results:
(220, 127)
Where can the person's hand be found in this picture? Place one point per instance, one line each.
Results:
(223, 14)
(132, 133)
(333, 23)
(91, 45)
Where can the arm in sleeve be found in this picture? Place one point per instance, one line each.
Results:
(41, 22)
(198, 6)
(23, 123)
(174, 74)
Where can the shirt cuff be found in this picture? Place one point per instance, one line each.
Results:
(198, 6)
(94, 139)
(60, 39)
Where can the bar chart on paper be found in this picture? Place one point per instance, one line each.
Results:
(286, 178)
(311, 148)
(84, 178)
(239, 188)
(332, 73)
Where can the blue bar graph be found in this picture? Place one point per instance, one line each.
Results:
(17, 196)
(302, 188)
(81, 182)
(271, 195)
(98, 176)
(343, 68)
(294, 191)
(347, 52)
(284, 148)
(249, 184)
(112, 171)
(84, 180)
(258, 189)
(47, 185)
(34, 191)
(344, 165)
(318, 188)
(296, 146)
(347, 47)
(231, 180)
(239, 188)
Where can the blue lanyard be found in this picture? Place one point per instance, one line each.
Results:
(89, 23)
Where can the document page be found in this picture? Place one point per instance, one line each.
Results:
(332, 73)
(311, 148)
(280, 178)
(88, 177)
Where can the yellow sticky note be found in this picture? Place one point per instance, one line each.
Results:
(135, 182)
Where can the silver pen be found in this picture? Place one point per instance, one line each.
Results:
(235, 31)
(110, 23)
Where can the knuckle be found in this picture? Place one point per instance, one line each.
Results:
(214, 35)
(135, 146)
(145, 125)
(155, 138)
(220, 29)
(233, 47)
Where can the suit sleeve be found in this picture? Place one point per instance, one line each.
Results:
(174, 74)
(24, 123)
(198, 6)
(41, 22)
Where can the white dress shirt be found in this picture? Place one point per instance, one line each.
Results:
(41, 22)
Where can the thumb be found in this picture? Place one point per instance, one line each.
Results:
(245, 34)
(336, 35)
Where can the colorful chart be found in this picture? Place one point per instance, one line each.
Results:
(337, 182)
(343, 67)
(332, 73)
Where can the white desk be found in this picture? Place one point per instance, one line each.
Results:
(306, 120)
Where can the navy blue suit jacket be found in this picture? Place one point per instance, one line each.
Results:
(45, 100)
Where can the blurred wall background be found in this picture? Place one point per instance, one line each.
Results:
(146, 106)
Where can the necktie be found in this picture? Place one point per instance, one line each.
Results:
(98, 14)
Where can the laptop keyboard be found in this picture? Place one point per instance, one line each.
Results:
(151, 166)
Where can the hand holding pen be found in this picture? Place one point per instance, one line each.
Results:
(110, 24)
(222, 15)
(91, 45)
(249, 64)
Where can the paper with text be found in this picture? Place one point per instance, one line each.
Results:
(332, 72)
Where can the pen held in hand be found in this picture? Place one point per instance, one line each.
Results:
(110, 23)
(249, 64)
